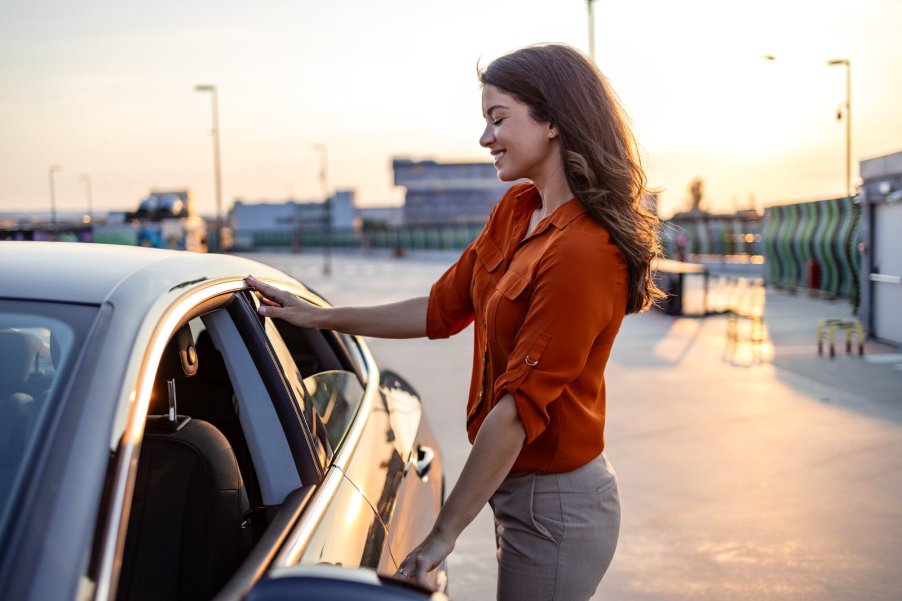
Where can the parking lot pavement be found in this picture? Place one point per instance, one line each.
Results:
(740, 479)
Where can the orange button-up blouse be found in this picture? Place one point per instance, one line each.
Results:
(547, 308)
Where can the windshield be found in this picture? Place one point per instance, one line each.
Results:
(37, 343)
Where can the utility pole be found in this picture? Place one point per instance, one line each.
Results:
(327, 207)
(847, 105)
(218, 175)
(87, 180)
(591, 29)
(53, 169)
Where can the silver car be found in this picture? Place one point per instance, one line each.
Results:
(161, 440)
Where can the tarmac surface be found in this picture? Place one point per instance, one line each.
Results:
(765, 472)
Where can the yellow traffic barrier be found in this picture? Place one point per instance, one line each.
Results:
(826, 329)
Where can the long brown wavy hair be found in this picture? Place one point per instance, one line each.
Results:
(563, 87)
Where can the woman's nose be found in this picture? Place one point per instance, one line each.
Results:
(487, 137)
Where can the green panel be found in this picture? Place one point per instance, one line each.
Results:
(848, 271)
(789, 244)
(831, 262)
(808, 223)
(772, 216)
(820, 234)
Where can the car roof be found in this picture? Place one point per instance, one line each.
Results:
(92, 273)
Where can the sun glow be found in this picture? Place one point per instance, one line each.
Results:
(108, 90)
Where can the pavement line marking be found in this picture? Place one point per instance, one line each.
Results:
(884, 358)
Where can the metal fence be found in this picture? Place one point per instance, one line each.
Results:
(443, 237)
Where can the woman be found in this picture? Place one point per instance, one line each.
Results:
(560, 262)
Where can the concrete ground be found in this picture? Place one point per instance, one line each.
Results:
(773, 474)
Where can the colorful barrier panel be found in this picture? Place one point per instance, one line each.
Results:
(814, 246)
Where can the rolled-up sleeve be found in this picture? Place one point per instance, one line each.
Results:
(571, 303)
(450, 307)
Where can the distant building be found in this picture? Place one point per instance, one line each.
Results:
(446, 193)
(381, 217)
(880, 201)
(248, 219)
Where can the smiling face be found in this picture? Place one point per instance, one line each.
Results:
(522, 147)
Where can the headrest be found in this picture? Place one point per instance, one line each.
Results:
(18, 354)
(179, 361)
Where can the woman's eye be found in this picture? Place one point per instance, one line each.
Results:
(498, 121)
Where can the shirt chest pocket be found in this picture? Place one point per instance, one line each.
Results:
(512, 285)
(510, 304)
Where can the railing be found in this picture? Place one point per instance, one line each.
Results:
(443, 237)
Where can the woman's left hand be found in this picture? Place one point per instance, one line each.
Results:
(425, 558)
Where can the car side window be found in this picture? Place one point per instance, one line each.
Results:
(295, 378)
(335, 390)
(37, 341)
(336, 396)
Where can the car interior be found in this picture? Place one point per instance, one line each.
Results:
(18, 353)
(27, 371)
(214, 464)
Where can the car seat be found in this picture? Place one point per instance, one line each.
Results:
(186, 533)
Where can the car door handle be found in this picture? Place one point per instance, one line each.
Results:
(423, 462)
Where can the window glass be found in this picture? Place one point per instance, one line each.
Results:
(330, 394)
(336, 396)
(296, 383)
(37, 342)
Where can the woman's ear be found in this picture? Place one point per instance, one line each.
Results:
(552, 131)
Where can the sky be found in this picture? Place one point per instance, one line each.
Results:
(106, 88)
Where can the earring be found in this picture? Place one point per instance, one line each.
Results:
(551, 134)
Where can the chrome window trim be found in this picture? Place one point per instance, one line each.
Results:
(297, 540)
(114, 531)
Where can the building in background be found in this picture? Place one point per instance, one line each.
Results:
(381, 217)
(881, 244)
(447, 193)
(251, 221)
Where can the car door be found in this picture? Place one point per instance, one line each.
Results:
(340, 526)
(225, 465)
(419, 493)
(394, 461)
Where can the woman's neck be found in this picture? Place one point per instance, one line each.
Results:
(554, 192)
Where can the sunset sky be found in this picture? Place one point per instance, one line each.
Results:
(107, 88)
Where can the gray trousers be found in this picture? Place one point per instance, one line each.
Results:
(556, 533)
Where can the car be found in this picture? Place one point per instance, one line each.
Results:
(159, 439)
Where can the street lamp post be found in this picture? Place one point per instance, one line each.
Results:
(327, 247)
(591, 29)
(87, 180)
(53, 169)
(218, 176)
(846, 108)
(847, 105)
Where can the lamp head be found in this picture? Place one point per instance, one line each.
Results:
(205, 88)
(838, 61)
